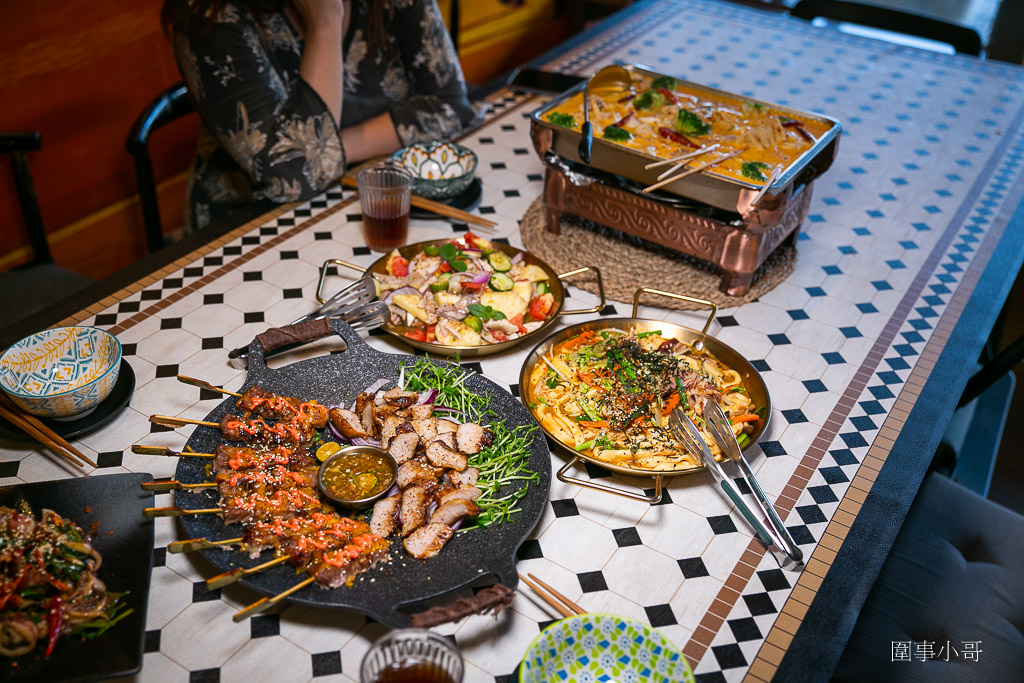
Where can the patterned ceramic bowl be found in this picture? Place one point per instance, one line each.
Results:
(61, 372)
(601, 648)
(440, 170)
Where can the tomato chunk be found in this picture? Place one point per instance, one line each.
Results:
(541, 306)
(398, 266)
(417, 335)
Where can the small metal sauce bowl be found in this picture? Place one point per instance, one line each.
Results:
(360, 503)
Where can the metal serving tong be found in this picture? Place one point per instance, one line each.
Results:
(612, 76)
(775, 536)
(351, 304)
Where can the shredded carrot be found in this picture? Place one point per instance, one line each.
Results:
(584, 338)
(749, 417)
(594, 423)
(587, 378)
(671, 403)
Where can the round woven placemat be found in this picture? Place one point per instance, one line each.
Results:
(627, 262)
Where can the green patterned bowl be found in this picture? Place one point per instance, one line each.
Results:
(603, 648)
(61, 373)
(440, 170)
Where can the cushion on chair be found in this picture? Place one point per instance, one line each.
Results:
(955, 574)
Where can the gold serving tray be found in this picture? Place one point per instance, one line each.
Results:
(410, 250)
(709, 188)
(752, 382)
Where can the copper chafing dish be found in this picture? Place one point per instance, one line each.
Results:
(752, 382)
(709, 187)
(557, 290)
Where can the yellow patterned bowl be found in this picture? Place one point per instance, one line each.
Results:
(62, 372)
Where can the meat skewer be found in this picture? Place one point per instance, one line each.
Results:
(297, 432)
(266, 404)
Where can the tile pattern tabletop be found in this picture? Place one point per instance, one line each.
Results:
(899, 229)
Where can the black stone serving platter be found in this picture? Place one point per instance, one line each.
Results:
(394, 589)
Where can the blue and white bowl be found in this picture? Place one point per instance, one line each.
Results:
(440, 170)
(600, 648)
(63, 372)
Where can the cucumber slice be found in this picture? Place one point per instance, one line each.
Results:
(501, 282)
(543, 288)
(442, 283)
(431, 250)
(500, 262)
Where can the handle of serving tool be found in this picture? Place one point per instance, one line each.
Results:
(682, 297)
(654, 498)
(600, 290)
(323, 274)
(492, 599)
(586, 141)
(784, 540)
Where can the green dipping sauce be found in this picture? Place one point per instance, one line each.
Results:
(356, 476)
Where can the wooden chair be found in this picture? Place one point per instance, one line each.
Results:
(34, 286)
(962, 39)
(168, 106)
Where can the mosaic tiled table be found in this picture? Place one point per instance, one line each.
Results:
(909, 249)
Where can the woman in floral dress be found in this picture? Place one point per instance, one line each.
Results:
(292, 91)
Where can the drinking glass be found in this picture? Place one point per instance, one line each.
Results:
(412, 655)
(384, 193)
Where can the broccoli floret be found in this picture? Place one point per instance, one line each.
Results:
(560, 119)
(752, 170)
(689, 123)
(756, 106)
(616, 134)
(652, 99)
(666, 82)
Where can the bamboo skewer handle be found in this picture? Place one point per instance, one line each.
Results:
(560, 608)
(695, 169)
(230, 577)
(205, 385)
(264, 603)
(162, 450)
(168, 421)
(173, 485)
(199, 544)
(150, 513)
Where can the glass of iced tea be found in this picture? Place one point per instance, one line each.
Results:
(384, 193)
(412, 656)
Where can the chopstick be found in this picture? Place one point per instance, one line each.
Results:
(41, 433)
(562, 604)
(435, 207)
(776, 172)
(695, 169)
(684, 157)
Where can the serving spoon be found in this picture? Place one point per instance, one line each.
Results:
(611, 77)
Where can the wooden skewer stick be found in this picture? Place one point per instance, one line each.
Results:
(683, 157)
(566, 601)
(168, 421)
(32, 426)
(199, 544)
(174, 486)
(264, 603)
(776, 172)
(436, 207)
(150, 513)
(226, 578)
(205, 385)
(558, 607)
(162, 450)
(693, 170)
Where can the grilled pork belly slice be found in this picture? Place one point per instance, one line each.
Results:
(427, 541)
(440, 455)
(414, 509)
(402, 399)
(385, 516)
(447, 438)
(442, 426)
(466, 477)
(425, 428)
(461, 493)
(421, 412)
(387, 428)
(471, 437)
(348, 423)
(403, 447)
(453, 511)
(415, 473)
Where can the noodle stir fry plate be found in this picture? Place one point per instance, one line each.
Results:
(110, 507)
(603, 390)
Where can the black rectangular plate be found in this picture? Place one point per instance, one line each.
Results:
(125, 540)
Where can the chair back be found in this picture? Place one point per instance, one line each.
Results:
(16, 145)
(964, 40)
(168, 106)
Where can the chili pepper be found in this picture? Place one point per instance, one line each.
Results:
(668, 95)
(54, 620)
(622, 122)
(799, 129)
(670, 134)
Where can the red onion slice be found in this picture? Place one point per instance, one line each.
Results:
(518, 258)
(338, 436)
(366, 442)
(401, 290)
(372, 389)
(457, 524)
(427, 397)
(481, 278)
(393, 491)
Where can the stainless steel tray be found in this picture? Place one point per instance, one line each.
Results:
(709, 187)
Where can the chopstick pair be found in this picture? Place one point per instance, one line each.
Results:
(695, 169)
(41, 433)
(559, 602)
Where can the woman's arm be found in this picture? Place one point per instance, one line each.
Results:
(369, 139)
(321, 57)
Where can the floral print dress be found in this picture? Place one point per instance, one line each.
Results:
(267, 134)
